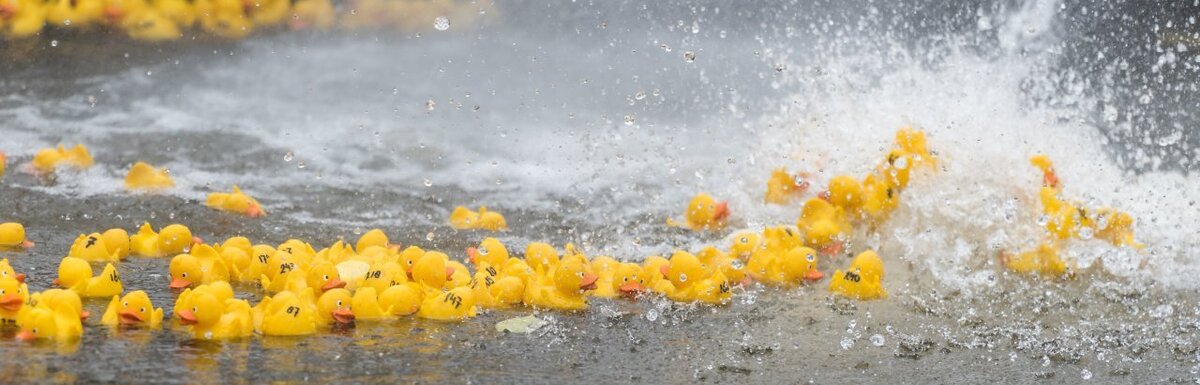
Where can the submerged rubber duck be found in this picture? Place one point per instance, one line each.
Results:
(564, 289)
(93, 248)
(463, 218)
(703, 213)
(335, 306)
(213, 318)
(7, 271)
(288, 314)
(76, 274)
(13, 296)
(144, 177)
(783, 188)
(12, 237)
(863, 280)
(49, 159)
(171, 240)
(1042, 260)
(201, 266)
(56, 321)
(134, 309)
(235, 202)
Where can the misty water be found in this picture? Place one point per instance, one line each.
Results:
(593, 122)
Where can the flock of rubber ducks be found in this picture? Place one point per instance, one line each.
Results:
(166, 20)
(305, 289)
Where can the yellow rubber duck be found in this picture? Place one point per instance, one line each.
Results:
(116, 241)
(135, 309)
(744, 244)
(60, 297)
(93, 248)
(683, 271)
(712, 290)
(863, 280)
(117, 12)
(565, 289)
(823, 226)
(703, 213)
(783, 188)
(653, 273)
(896, 170)
(224, 18)
(213, 318)
(376, 238)
(74, 14)
(171, 240)
(150, 25)
(878, 199)
(490, 253)
(289, 314)
(845, 192)
(202, 266)
(401, 300)
(49, 159)
(144, 177)
(221, 290)
(1065, 219)
(12, 237)
(453, 305)
(335, 306)
(3, 164)
(235, 202)
(797, 266)
(22, 18)
(494, 291)
(7, 271)
(181, 12)
(541, 257)
(713, 260)
(312, 14)
(463, 218)
(913, 143)
(623, 280)
(322, 276)
(367, 307)
(1043, 260)
(432, 272)
(381, 275)
(268, 13)
(55, 321)
(13, 296)
(76, 274)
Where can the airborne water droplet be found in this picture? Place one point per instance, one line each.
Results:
(629, 119)
(1085, 374)
(54, 43)
(441, 23)
(689, 56)
(877, 340)
(288, 156)
(428, 183)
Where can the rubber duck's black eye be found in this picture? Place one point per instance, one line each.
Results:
(143, 310)
(35, 331)
(626, 279)
(410, 262)
(195, 309)
(326, 277)
(184, 275)
(339, 303)
(126, 303)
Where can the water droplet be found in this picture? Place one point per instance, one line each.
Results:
(737, 263)
(640, 95)
(67, 22)
(682, 277)
(731, 160)
(428, 183)
(665, 47)
(300, 165)
(441, 23)
(847, 343)
(149, 73)
(430, 104)
(878, 340)
(652, 315)
(629, 119)
(1085, 374)
(689, 56)
(1043, 220)
(54, 43)
(429, 236)
(695, 27)
(288, 156)
(1085, 232)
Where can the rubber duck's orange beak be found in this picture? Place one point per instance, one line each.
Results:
(1050, 179)
(588, 282)
(25, 335)
(254, 211)
(26, 244)
(813, 274)
(114, 13)
(631, 289)
(131, 317)
(343, 316)
(186, 317)
(721, 211)
(801, 187)
(833, 248)
(11, 302)
(473, 254)
(7, 9)
(196, 241)
(333, 284)
(449, 273)
(84, 314)
(20, 277)
(56, 282)
(665, 270)
(409, 273)
(179, 283)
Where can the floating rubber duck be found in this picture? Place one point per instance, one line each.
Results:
(135, 309)
(221, 290)
(322, 276)
(3, 164)
(744, 244)
(144, 177)
(731, 267)
(563, 290)
(797, 266)
(7, 271)
(213, 318)
(381, 276)
(682, 271)
(490, 253)
(453, 305)
(181, 12)
(878, 199)
(59, 297)
(863, 280)
(289, 314)
(12, 237)
(844, 192)
(235, 202)
(624, 280)
(312, 14)
(13, 296)
(224, 18)
(913, 143)
(541, 257)
(22, 18)
(202, 266)
(171, 240)
(463, 218)
(703, 213)
(783, 188)
(401, 300)
(76, 274)
(268, 13)
(1065, 219)
(55, 321)
(335, 306)
(367, 307)
(1043, 260)
(494, 291)
(74, 14)
(49, 159)
(823, 225)
(150, 25)
(432, 272)
(92, 248)
(116, 241)
(374, 238)
(652, 271)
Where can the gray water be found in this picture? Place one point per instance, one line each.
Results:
(584, 122)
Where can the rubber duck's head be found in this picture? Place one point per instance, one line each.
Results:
(705, 210)
(844, 191)
(185, 270)
(801, 264)
(490, 251)
(823, 233)
(541, 256)
(744, 244)
(324, 276)
(491, 220)
(136, 309)
(7, 272)
(206, 310)
(72, 271)
(1043, 163)
(374, 237)
(116, 240)
(912, 141)
(301, 250)
(408, 258)
(13, 235)
(868, 265)
(334, 306)
(176, 238)
(431, 269)
(240, 243)
(572, 277)
(898, 168)
(629, 280)
(12, 294)
(67, 299)
(38, 323)
(652, 268)
(684, 269)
